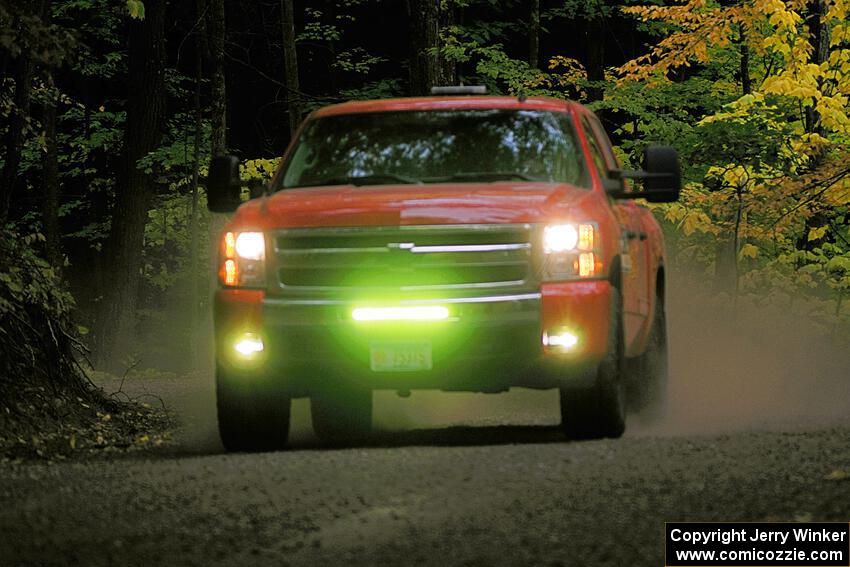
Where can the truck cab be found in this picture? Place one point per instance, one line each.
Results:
(459, 243)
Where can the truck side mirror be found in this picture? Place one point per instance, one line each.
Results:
(223, 185)
(661, 175)
(665, 174)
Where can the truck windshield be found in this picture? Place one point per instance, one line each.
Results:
(436, 146)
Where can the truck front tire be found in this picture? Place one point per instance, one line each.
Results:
(600, 410)
(251, 417)
(649, 371)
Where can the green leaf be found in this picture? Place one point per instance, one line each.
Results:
(817, 233)
(838, 264)
(748, 251)
(136, 8)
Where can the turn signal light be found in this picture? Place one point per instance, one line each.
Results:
(229, 245)
(585, 237)
(586, 264)
(230, 272)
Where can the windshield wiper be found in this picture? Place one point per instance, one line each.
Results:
(360, 180)
(485, 176)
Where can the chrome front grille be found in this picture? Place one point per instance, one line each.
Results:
(425, 257)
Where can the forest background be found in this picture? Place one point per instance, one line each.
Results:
(111, 109)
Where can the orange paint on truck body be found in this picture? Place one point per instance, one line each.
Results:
(582, 305)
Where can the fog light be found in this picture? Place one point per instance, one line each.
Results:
(249, 345)
(424, 313)
(560, 339)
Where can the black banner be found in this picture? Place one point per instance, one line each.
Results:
(740, 544)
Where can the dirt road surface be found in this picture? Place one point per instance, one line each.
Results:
(759, 430)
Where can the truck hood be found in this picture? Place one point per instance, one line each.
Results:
(393, 205)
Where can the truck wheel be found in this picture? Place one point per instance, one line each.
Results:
(600, 410)
(342, 415)
(250, 418)
(650, 371)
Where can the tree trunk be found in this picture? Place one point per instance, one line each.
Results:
(142, 134)
(534, 34)
(725, 263)
(447, 69)
(424, 42)
(290, 61)
(726, 250)
(820, 42)
(50, 176)
(194, 291)
(333, 72)
(218, 102)
(217, 31)
(14, 139)
(595, 65)
(746, 82)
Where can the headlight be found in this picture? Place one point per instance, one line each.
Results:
(560, 238)
(251, 245)
(243, 259)
(571, 251)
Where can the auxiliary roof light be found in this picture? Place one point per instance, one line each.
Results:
(421, 313)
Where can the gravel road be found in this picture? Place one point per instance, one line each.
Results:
(761, 432)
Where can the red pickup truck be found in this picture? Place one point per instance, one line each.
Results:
(461, 243)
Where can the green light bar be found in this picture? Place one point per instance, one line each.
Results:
(422, 313)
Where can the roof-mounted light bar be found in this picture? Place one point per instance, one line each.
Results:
(458, 90)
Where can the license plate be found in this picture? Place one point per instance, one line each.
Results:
(400, 357)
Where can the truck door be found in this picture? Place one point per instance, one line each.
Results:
(633, 238)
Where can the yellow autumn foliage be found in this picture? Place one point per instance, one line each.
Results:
(788, 214)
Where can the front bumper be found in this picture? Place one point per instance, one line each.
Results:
(487, 344)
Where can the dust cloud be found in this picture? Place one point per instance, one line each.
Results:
(733, 367)
(737, 365)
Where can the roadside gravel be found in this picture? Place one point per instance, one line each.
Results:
(456, 495)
